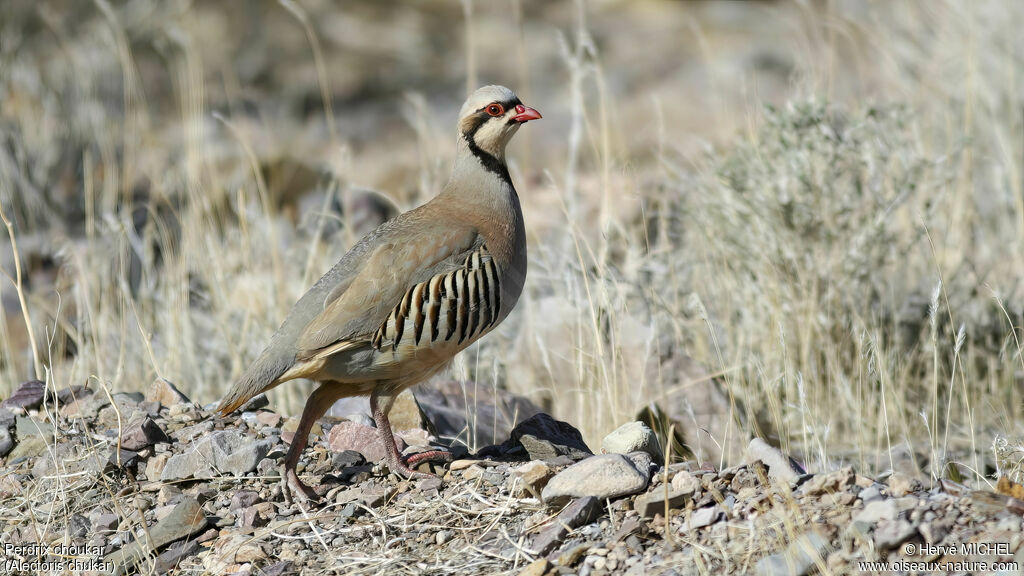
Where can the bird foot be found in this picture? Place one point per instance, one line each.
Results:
(430, 456)
(402, 466)
(293, 488)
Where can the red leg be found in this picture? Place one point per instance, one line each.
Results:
(380, 405)
(318, 403)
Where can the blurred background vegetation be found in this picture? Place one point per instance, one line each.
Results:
(801, 220)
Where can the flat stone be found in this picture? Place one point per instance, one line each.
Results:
(169, 559)
(538, 567)
(105, 523)
(269, 419)
(580, 512)
(633, 437)
(780, 467)
(602, 476)
(224, 451)
(703, 517)
(654, 502)
(243, 499)
(142, 432)
(166, 393)
(891, 533)
(186, 519)
(26, 426)
(797, 559)
(362, 439)
(29, 395)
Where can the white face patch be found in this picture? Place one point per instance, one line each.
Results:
(493, 135)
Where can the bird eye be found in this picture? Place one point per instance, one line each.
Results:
(495, 109)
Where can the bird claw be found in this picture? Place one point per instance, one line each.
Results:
(403, 465)
(295, 490)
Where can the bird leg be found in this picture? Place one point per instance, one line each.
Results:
(318, 403)
(380, 405)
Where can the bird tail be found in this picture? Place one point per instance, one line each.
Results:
(264, 374)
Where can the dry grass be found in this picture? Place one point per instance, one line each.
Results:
(674, 219)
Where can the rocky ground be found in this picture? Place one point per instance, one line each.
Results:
(97, 483)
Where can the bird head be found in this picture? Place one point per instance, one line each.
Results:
(490, 117)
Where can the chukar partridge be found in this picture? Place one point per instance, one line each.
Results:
(411, 294)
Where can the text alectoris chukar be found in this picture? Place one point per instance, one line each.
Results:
(410, 295)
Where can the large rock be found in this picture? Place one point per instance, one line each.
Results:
(359, 438)
(633, 437)
(604, 476)
(541, 437)
(447, 405)
(223, 452)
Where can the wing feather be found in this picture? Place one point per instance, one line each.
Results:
(386, 276)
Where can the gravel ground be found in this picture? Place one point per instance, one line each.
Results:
(194, 493)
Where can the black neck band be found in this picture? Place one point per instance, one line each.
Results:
(489, 161)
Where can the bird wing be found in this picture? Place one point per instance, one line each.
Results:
(399, 261)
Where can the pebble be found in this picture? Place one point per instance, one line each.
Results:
(166, 393)
(703, 517)
(654, 502)
(141, 433)
(901, 484)
(538, 567)
(891, 533)
(684, 481)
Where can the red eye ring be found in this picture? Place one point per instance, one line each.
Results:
(495, 109)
